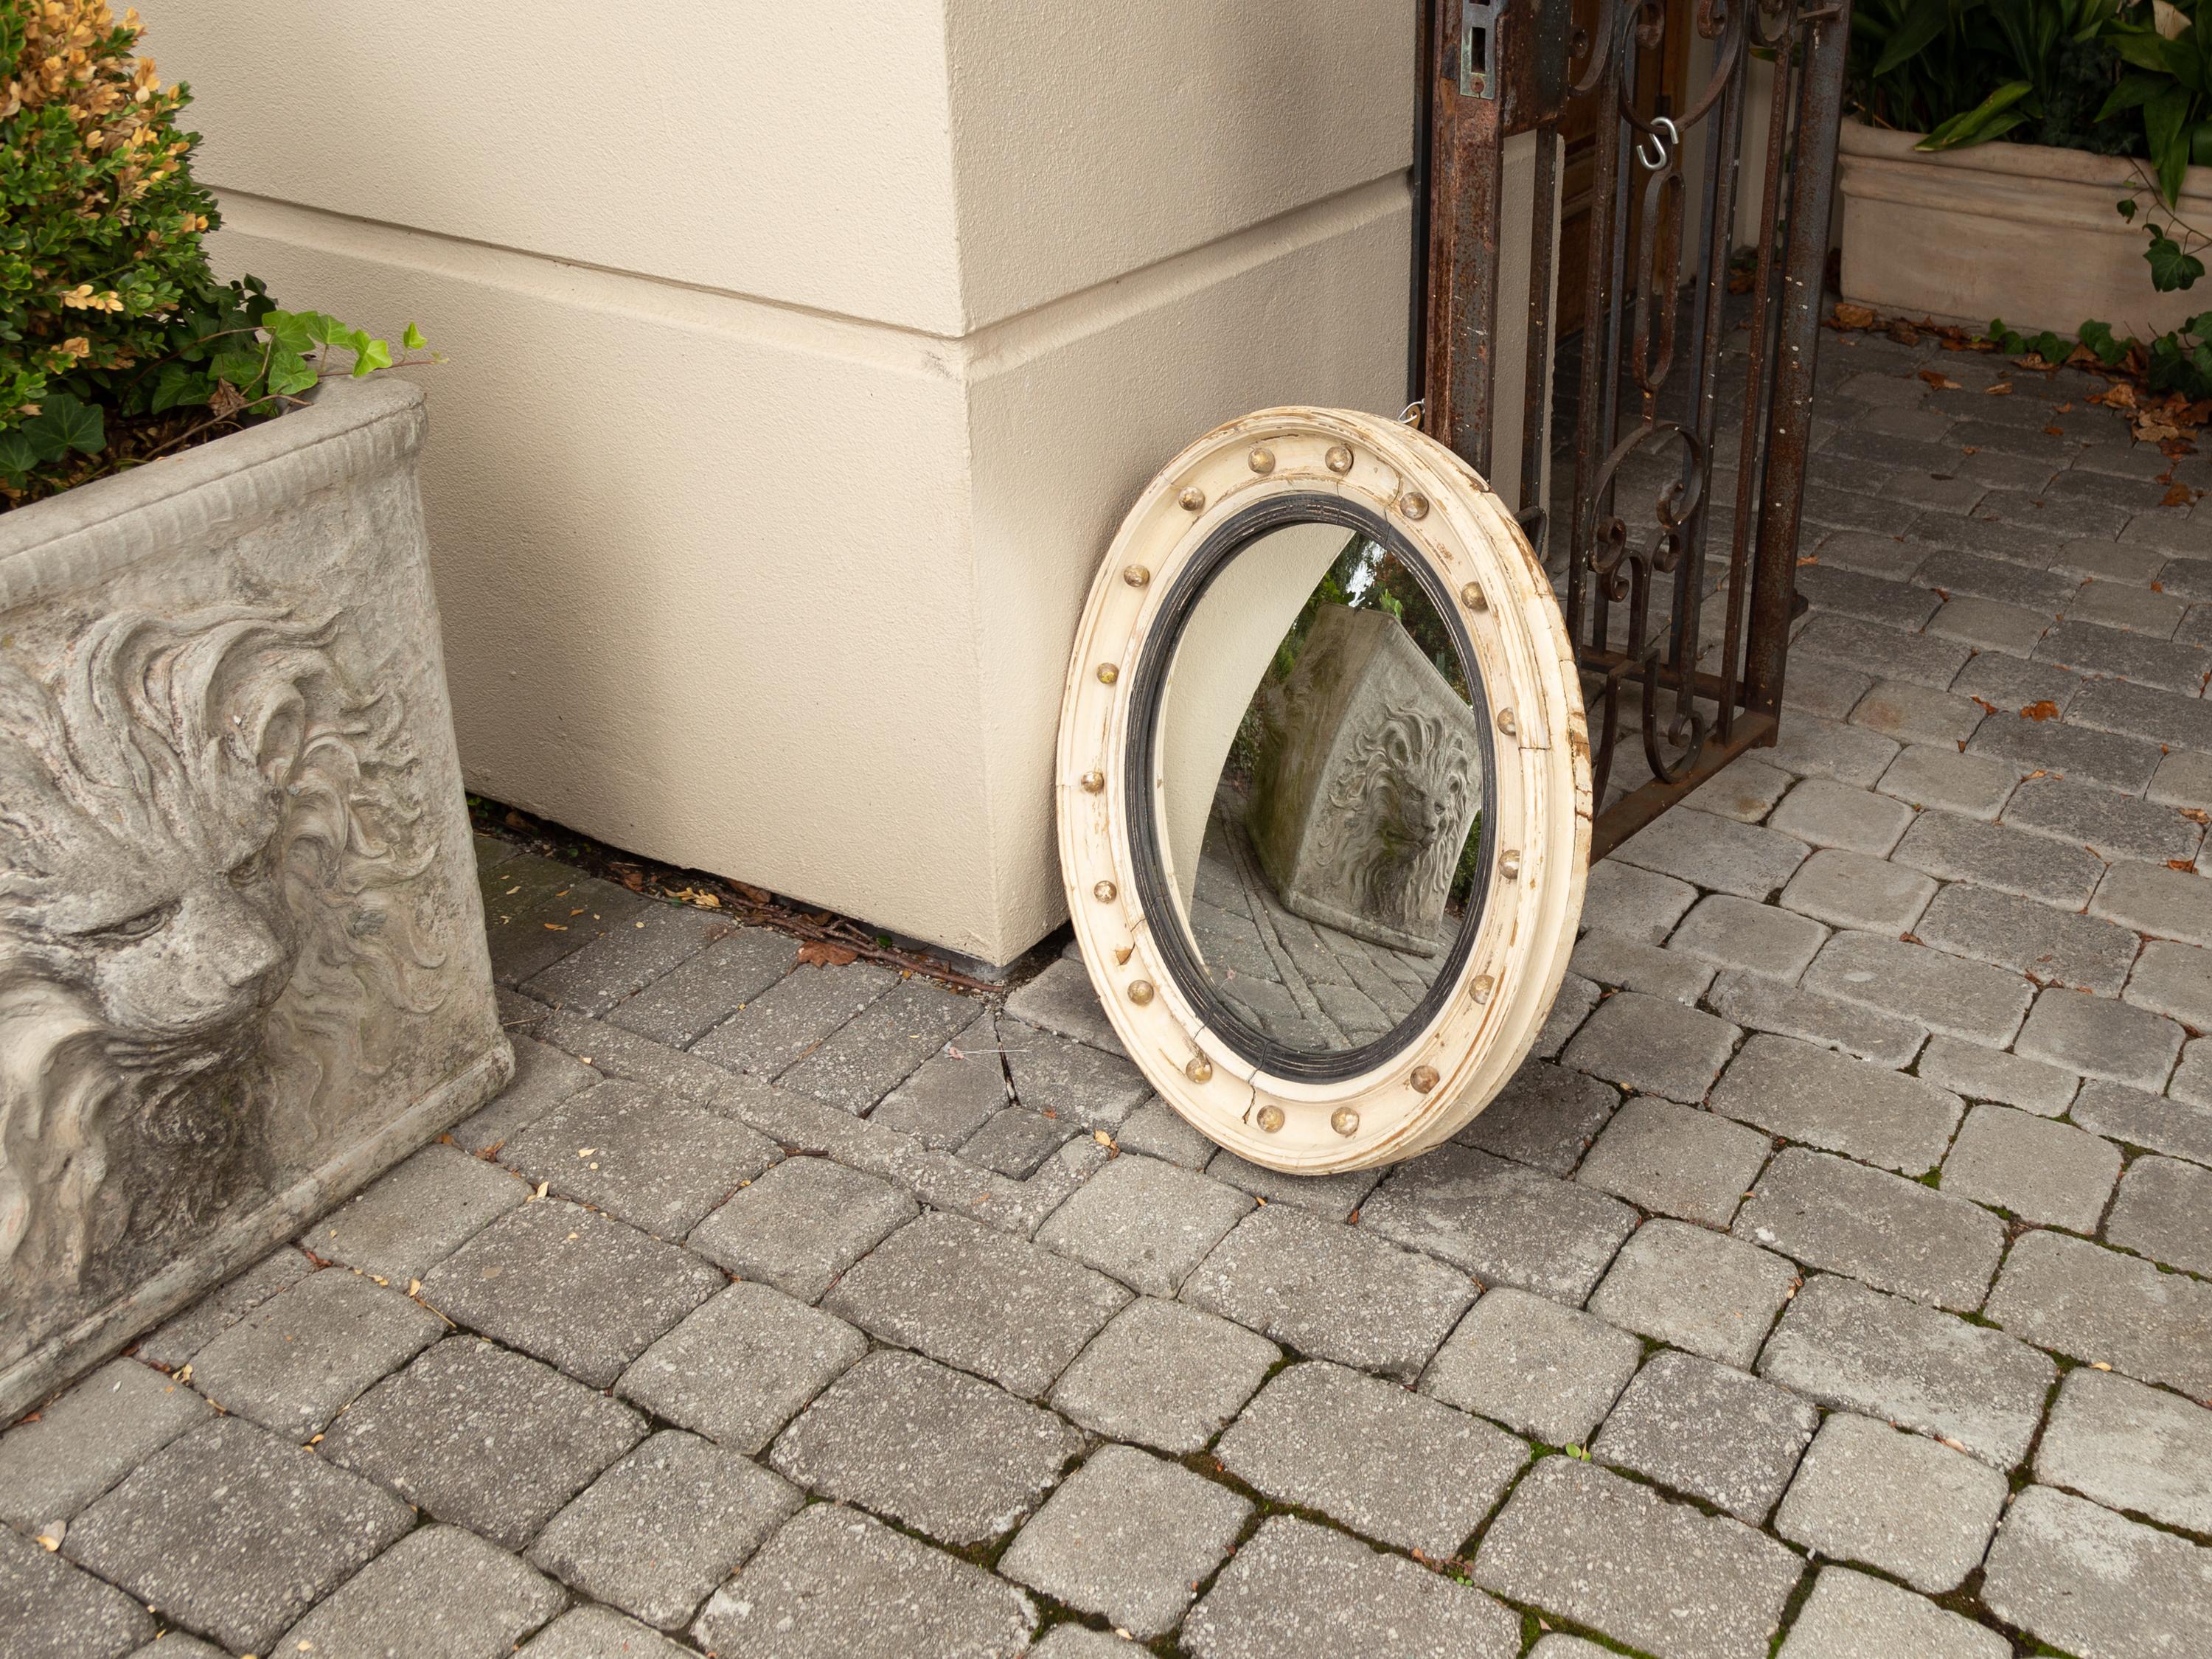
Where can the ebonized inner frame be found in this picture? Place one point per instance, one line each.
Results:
(1229, 538)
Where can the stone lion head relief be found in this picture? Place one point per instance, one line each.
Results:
(205, 925)
(1403, 793)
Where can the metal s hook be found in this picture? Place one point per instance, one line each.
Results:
(1654, 146)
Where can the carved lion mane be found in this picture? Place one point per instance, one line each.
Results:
(1402, 801)
(205, 927)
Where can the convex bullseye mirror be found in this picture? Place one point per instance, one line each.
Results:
(1323, 789)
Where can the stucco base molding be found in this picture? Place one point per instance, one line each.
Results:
(242, 960)
(2024, 231)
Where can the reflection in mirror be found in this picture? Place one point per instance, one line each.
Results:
(1321, 764)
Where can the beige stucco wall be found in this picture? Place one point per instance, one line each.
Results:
(803, 361)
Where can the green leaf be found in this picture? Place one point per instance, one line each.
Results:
(17, 456)
(64, 422)
(289, 374)
(2164, 122)
(1924, 20)
(2099, 338)
(2127, 208)
(412, 339)
(369, 355)
(2133, 92)
(1994, 115)
(240, 366)
(179, 385)
(2169, 267)
(290, 329)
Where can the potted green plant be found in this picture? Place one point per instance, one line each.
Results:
(242, 965)
(2033, 160)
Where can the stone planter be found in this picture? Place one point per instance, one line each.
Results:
(2019, 231)
(242, 962)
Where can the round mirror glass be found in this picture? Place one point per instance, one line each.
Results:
(1318, 782)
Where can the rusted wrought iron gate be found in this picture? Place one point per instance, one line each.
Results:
(1691, 665)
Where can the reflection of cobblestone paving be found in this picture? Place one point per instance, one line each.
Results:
(1304, 983)
(1836, 1278)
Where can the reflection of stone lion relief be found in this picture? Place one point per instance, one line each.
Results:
(206, 929)
(1400, 803)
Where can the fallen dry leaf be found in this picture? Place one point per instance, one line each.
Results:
(1939, 379)
(557, 927)
(2044, 710)
(2001, 389)
(2054, 432)
(823, 954)
(1851, 316)
(2176, 496)
(1988, 708)
(2182, 864)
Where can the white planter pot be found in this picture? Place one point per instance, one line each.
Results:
(2023, 232)
(242, 962)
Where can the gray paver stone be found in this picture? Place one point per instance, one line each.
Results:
(1164, 1375)
(1632, 965)
(1957, 848)
(1858, 890)
(1129, 1536)
(1912, 981)
(2164, 1211)
(1548, 1371)
(1914, 713)
(953, 1094)
(1651, 1044)
(418, 1215)
(1967, 786)
(51, 1610)
(1712, 1431)
(1814, 747)
(957, 1291)
(1576, 997)
(597, 1633)
(2046, 1172)
(1675, 1160)
(1826, 814)
(2100, 1038)
(1893, 1234)
(2049, 946)
(1733, 932)
(294, 1362)
(691, 1000)
(2179, 1127)
(1714, 852)
(92, 1436)
(619, 964)
(801, 1225)
(1922, 658)
(233, 1532)
(1545, 1116)
(1980, 1073)
(1061, 999)
(772, 1032)
(2093, 650)
(481, 1437)
(2184, 778)
(1335, 1196)
(2095, 1583)
(883, 1045)
(570, 1286)
(544, 1077)
(2174, 980)
(1851, 1616)
(1803, 1093)
(1156, 1129)
(1073, 1641)
(949, 1455)
(2130, 1448)
(1404, 1469)
(1638, 904)
(1332, 1292)
(1585, 1543)
(1300, 1591)
(1990, 624)
(2007, 681)
(2152, 899)
(2107, 822)
(1015, 1142)
(1760, 1004)
(658, 1532)
(1503, 1222)
(1697, 1289)
(1897, 1501)
(834, 1584)
(2096, 1305)
(439, 1590)
(642, 1156)
(187, 1333)
(1855, 1349)
(1070, 1079)
(741, 1366)
(1145, 1223)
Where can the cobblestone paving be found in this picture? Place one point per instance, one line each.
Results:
(1833, 1283)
